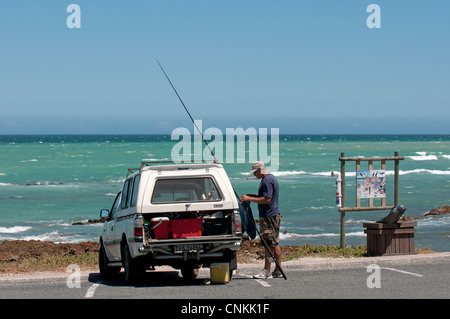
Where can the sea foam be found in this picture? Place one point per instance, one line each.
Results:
(5, 184)
(14, 229)
(288, 173)
(352, 174)
(284, 236)
(422, 156)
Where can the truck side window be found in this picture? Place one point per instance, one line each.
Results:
(114, 208)
(135, 190)
(126, 192)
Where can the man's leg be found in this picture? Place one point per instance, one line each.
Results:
(277, 254)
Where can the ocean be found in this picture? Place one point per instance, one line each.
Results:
(49, 182)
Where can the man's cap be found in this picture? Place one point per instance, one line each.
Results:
(256, 165)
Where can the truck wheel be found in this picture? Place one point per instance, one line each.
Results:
(132, 267)
(189, 272)
(105, 272)
(233, 264)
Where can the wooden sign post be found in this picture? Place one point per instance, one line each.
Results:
(369, 184)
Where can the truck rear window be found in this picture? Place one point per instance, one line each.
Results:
(171, 190)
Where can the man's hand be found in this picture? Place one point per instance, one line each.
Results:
(245, 198)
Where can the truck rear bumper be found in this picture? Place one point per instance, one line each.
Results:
(191, 248)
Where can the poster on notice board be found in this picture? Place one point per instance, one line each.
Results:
(371, 184)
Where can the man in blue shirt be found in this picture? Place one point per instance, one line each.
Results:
(269, 217)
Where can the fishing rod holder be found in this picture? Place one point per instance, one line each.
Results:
(338, 188)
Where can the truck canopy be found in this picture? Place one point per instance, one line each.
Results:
(181, 188)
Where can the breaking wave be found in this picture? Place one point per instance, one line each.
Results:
(352, 174)
(288, 173)
(423, 158)
(14, 229)
(422, 170)
(287, 235)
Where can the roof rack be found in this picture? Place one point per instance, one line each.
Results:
(148, 163)
(144, 164)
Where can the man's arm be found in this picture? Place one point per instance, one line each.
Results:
(257, 200)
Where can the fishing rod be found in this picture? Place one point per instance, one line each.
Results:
(192, 119)
(217, 162)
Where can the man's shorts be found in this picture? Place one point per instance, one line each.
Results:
(270, 229)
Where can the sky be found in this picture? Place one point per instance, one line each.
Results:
(305, 67)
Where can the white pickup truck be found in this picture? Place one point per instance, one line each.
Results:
(182, 215)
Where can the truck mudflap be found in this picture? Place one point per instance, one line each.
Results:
(196, 248)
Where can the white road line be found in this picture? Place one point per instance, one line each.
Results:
(402, 271)
(262, 282)
(90, 292)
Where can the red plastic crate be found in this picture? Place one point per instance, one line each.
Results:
(160, 228)
(182, 228)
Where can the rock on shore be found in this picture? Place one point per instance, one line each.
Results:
(438, 211)
(90, 221)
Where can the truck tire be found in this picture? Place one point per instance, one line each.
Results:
(189, 272)
(232, 260)
(133, 268)
(106, 272)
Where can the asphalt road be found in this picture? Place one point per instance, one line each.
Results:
(387, 278)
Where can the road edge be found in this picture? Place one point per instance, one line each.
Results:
(306, 264)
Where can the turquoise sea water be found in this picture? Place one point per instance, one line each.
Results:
(49, 182)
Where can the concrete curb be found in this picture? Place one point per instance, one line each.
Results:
(337, 263)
